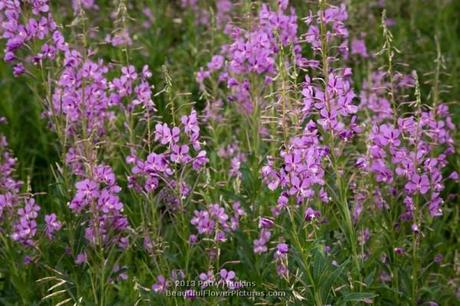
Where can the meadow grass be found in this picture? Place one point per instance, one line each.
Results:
(426, 37)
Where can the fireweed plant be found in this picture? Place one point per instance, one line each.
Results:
(292, 180)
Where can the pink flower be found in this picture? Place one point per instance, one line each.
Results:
(418, 183)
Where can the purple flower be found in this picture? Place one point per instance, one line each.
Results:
(227, 277)
(165, 135)
(202, 75)
(109, 202)
(216, 63)
(218, 213)
(358, 47)
(281, 250)
(18, 69)
(200, 160)
(434, 205)
(363, 236)
(418, 183)
(399, 250)
(105, 175)
(161, 285)
(146, 73)
(282, 270)
(119, 273)
(454, 176)
(193, 239)
(30, 210)
(192, 129)
(81, 258)
(260, 245)
(179, 154)
(239, 211)
(87, 190)
(388, 135)
(213, 222)
(283, 4)
(25, 228)
(177, 274)
(266, 223)
(311, 214)
(28, 260)
(383, 174)
(129, 72)
(52, 225)
(270, 177)
(203, 222)
(40, 6)
(206, 279)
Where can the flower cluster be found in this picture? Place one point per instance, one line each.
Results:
(299, 130)
(87, 99)
(98, 197)
(53, 225)
(25, 228)
(83, 95)
(253, 51)
(333, 103)
(18, 213)
(228, 279)
(406, 160)
(374, 91)
(21, 32)
(301, 174)
(281, 257)
(225, 279)
(332, 98)
(84, 102)
(163, 283)
(180, 147)
(260, 244)
(332, 18)
(328, 111)
(7, 168)
(358, 47)
(215, 222)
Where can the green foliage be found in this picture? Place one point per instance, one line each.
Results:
(427, 35)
